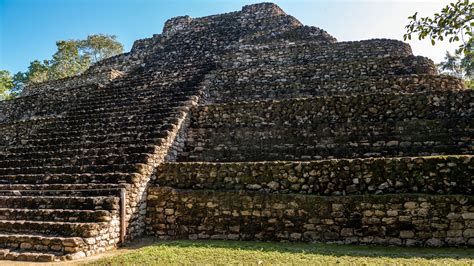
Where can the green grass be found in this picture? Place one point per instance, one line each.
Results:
(259, 253)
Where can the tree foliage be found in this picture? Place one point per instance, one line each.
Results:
(37, 72)
(67, 61)
(6, 83)
(458, 66)
(455, 23)
(72, 57)
(100, 46)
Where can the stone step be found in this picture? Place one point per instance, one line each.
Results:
(73, 189)
(141, 132)
(138, 92)
(82, 160)
(132, 101)
(116, 109)
(111, 121)
(133, 93)
(61, 190)
(63, 229)
(113, 125)
(76, 153)
(96, 178)
(21, 255)
(121, 111)
(85, 138)
(140, 99)
(55, 215)
(41, 133)
(76, 169)
(142, 143)
(60, 202)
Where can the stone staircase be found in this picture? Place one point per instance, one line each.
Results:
(69, 187)
(57, 222)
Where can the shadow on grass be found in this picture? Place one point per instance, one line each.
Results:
(315, 248)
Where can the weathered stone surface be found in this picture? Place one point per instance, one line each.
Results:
(248, 86)
(328, 218)
(444, 175)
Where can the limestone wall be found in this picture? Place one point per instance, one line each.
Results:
(392, 219)
(311, 52)
(326, 70)
(438, 174)
(222, 90)
(337, 109)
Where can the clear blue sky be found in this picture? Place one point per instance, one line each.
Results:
(30, 28)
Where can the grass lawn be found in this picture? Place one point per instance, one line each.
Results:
(259, 253)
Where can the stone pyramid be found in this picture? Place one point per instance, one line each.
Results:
(244, 126)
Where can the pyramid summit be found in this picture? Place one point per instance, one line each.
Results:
(247, 125)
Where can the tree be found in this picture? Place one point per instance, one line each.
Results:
(20, 79)
(100, 46)
(37, 72)
(67, 61)
(6, 84)
(456, 66)
(455, 22)
(72, 57)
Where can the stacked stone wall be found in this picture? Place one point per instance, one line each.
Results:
(392, 219)
(337, 109)
(310, 52)
(435, 175)
(328, 70)
(222, 90)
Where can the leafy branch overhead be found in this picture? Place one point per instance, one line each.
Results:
(454, 23)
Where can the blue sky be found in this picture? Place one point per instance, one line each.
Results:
(30, 28)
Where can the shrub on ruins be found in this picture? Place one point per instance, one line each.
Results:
(454, 23)
(72, 57)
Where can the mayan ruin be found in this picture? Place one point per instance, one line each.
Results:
(246, 125)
